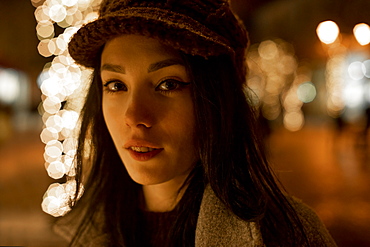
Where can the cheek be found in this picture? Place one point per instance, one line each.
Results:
(182, 126)
(111, 117)
(107, 114)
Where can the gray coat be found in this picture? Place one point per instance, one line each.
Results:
(217, 226)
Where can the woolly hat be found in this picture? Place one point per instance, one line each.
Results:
(197, 27)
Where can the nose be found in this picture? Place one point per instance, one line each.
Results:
(139, 111)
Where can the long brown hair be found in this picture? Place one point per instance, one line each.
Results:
(232, 161)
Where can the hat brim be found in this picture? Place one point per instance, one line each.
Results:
(173, 29)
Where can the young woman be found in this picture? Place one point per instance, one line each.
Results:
(169, 149)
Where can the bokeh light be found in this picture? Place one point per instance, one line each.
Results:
(335, 83)
(10, 85)
(294, 121)
(63, 87)
(366, 67)
(279, 88)
(306, 92)
(45, 30)
(327, 31)
(356, 70)
(58, 197)
(353, 94)
(49, 134)
(362, 33)
(57, 12)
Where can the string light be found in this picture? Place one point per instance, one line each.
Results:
(279, 89)
(62, 86)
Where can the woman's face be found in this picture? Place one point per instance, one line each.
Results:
(148, 108)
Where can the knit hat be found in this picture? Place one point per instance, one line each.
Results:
(197, 27)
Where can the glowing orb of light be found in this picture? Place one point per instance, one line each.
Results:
(45, 29)
(327, 32)
(55, 122)
(49, 134)
(56, 170)
(366, 68)
(52, 104)
(306, 92)
(57, 12)
(362, 33)
(55, 201)
(10, 86)
(353, 94)
(69, 3)
(54, 148)
(70, 119)
(293, 121)
(43, 48)
(356, 70)
(268, 50)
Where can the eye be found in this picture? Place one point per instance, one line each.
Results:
(171, 85)
(115, 86)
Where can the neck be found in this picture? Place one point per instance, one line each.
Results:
(165, 196)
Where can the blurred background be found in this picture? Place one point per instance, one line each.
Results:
(309, 66)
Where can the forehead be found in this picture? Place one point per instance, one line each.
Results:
(133, 46)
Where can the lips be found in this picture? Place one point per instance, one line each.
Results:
(141, 150)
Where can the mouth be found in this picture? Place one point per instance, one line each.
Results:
(142, 149)
(143, 153)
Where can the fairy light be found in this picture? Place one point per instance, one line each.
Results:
(334, 84)
(62, 85)
(271, 63)
(57, 197)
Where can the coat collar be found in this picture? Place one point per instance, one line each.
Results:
(218, 226)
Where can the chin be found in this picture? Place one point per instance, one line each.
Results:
(148, 178)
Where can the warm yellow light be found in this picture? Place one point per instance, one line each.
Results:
(10, 86)
(61, 81)
(69, 3)
(57, 12)
(49, 134)
(268, 50)
(293, 121)
(52, 105)
(57, 197)
(45, 29)
(56, 170)
(327, 32)
(70, 146)
(362, 33)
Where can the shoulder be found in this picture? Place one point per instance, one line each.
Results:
(316, 231)
(218, 226)
(93, 235)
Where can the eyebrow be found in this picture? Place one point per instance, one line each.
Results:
(153, 67)
(165, 63)
(113, 68)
